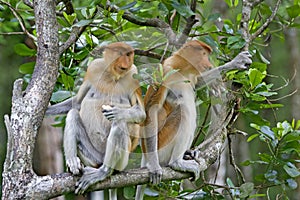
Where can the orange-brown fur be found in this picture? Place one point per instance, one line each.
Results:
(188, 62)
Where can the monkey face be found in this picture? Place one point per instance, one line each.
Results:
(123, 63)
(197, 54)
(119, 58)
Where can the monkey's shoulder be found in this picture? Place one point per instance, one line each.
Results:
(97, 66)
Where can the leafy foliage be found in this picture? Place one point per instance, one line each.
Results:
(278, 163)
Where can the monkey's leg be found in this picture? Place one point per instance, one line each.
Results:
(140, 189)
(62, 107)
(116, 157)
(75, 134)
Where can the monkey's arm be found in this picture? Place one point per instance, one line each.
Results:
(133, 114)
(74, 102)
(242, 61)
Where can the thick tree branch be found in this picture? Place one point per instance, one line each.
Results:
(28, 108)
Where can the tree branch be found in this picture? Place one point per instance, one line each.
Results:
(74, 35)
(28, 108)
(244, 25)
(152, 22)
(266, 24)
(147, 53)
(190, 22)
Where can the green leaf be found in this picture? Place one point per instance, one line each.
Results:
(252, 137)
(60, 96)
(83, 22)
(233, 39)
(255, 77)
(229, 182)
(183, 10)
(291, 170)
(130, 5)
(297, 125)
(262, 67)
(232, 3)
(268, 132)
(27, 68)
(129, 192)
(271, 175)
(70, 18)
(68, 81)
(23, 50)
(246, 189)
(292, 183)
(293, 11)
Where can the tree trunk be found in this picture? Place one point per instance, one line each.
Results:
(28, 108)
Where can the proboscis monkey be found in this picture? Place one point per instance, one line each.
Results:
(168, 130)
(106, 128)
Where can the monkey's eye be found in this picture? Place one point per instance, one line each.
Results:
(128, 53)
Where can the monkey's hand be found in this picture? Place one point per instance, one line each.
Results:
(91, 176)
(155, 174)
(74, 165)
(132, 114)
(241, 61)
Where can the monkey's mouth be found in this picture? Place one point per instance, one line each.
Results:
(123, 68)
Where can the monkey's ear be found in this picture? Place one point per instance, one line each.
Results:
(206, 46)
(98, 51)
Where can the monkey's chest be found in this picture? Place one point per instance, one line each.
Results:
(97, 126)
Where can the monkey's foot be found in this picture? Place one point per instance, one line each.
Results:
(74, 165)
(187, 166)
(156, 175)
(91, 176)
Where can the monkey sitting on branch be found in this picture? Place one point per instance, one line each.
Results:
(168, 131)
(106, 128)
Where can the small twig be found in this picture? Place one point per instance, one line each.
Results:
(202, 126)
(266, 24)
(74, 35)
(165, 51)
(157, 46)
(232, 161)
(147, 53)
(151, 22)
(13, 33)
(190, 22)
(285, 96)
